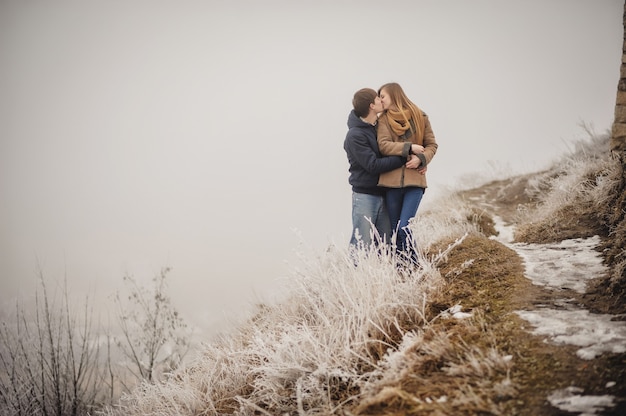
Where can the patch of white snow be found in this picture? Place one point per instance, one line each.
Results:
(455, 312)
(595, 333)
(505, 232)
(569, 264)
(570, 400)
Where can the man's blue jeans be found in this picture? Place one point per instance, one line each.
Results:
(367, 211)
(402, 204)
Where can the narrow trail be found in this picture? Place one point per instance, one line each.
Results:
(564, 270)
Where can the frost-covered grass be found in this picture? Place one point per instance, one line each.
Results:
(332, 338)
(572, 194)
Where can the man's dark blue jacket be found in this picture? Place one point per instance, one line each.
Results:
(366, 161)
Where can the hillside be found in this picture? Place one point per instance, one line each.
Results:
(495, 284)
(448, 338)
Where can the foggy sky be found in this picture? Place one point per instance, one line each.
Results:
(207, 135)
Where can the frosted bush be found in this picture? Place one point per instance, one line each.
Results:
(586, 175)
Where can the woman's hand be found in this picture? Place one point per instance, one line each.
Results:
(416, 148)
(413, 163)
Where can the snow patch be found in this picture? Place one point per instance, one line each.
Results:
(570, 400)
(505, 232)
(595, 333)
(455, 312)
(569, 264)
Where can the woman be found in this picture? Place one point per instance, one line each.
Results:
(403, 129)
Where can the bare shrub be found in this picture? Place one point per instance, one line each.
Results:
(52, 363)
(154, 337)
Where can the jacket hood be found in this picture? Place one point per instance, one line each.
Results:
(355, 121)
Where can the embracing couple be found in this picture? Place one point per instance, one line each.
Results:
(389, 146)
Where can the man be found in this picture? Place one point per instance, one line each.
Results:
(366, 163)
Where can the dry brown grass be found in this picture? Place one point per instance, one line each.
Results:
(463, 359)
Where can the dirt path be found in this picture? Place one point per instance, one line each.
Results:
(587, 374)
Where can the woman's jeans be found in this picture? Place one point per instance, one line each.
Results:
(402, 204)
(367, 211)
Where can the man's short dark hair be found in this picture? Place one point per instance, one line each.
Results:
(362, 100)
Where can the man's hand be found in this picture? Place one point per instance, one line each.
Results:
(416, 148)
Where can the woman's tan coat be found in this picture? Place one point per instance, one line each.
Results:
(391, 144)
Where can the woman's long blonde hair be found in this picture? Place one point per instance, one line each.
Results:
(401, 102)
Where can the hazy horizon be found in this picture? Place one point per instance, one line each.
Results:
(207, 136)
